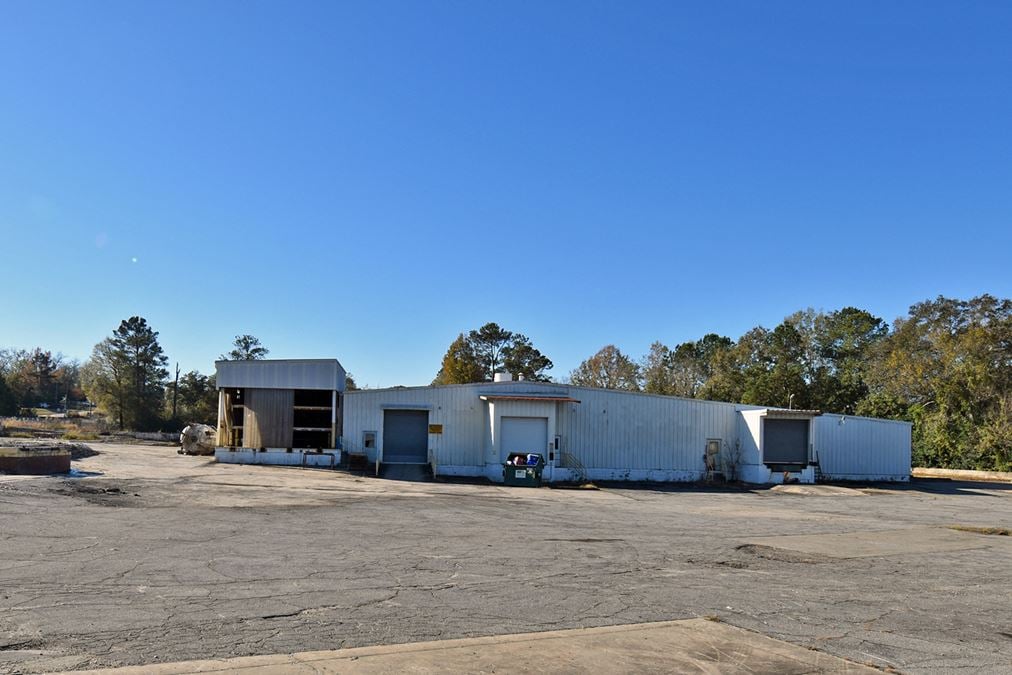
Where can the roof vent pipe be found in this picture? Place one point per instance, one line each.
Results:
(520, 377)
(502, 377)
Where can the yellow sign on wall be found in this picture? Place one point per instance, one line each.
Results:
(435, 428)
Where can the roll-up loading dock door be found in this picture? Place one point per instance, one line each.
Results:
(523, 434)
(785, 442)
(405, 436)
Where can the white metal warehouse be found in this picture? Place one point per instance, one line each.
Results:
(601, 434)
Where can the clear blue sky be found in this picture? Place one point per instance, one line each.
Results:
(364, 181)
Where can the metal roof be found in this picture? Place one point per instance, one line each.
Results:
(790, 412)
(281, 374)
(526, 397)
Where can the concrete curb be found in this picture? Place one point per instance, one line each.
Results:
(963, 474)
(693, 645)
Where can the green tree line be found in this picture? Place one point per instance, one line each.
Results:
(946, 367)
(37, 377)
(127, 377)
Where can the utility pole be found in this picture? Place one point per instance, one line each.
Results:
(175, 391)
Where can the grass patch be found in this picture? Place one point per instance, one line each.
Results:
(999, 531)
(80, 436)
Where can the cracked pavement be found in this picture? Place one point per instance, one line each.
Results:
(160, 557)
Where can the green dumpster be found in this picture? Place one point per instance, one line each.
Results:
(523, 470)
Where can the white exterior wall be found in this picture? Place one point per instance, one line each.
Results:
(751, 468)
(505, 408)
(617, 435)
(278, 457)
(750, 463)
(863, 448)
(628, 436)
(466, 430)
(614, 435)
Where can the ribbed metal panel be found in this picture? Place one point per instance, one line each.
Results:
(862, 447)
(607, 429)
(281, 374)
(463, 416)
(620, 431)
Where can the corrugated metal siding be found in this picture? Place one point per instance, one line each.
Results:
(607, 429)
(619, 430)
(858, 447)
(611, 429)
(463, 415)
(501, 408)
(281, 374)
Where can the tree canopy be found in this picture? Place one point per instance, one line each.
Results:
(946, 367)
(479, 354)
(684, 370)
(609, 368)
(198, 398)
(126, 375)
(40, 377)
(8, 403)
(245, 348)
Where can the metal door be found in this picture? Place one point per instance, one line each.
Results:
(785, 441)
(523, 434)
(405, 436)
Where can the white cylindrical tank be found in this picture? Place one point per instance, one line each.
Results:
(502, 377)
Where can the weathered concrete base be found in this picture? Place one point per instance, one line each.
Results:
(34, 461)
(691, 646)
(278, 457)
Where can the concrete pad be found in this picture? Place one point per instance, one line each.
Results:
(691, 646)
(818, 490)
(961, 474)
(416, 473)
(880, 543)
(162, 558)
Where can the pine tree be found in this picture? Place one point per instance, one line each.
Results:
(246, 348)
(126, 374)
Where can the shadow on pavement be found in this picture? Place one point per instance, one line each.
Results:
(949, 486)
(414, 473)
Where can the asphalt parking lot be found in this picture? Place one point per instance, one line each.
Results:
(153, 557)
